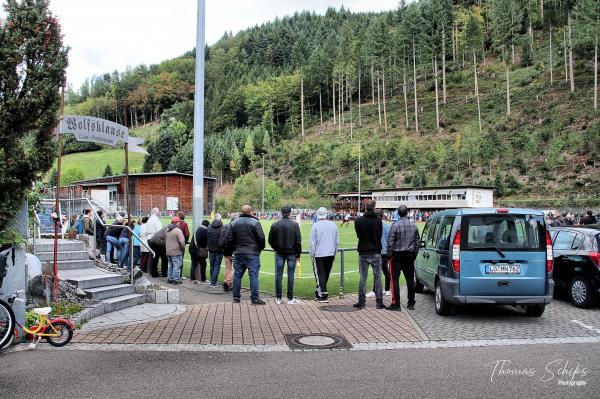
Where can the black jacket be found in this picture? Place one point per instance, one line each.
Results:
(368, 230)
(246, 236)
(200, 236)
(114, 231)
(284, 237)
(225, 246)
(213, 233)
(100, 229)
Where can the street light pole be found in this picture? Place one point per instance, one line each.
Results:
(262, 197)
(198, 191)
(359, 179)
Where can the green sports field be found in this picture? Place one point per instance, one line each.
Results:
(304, 284)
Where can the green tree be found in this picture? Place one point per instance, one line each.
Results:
(32, 69)
(247, 189)
(107, 171)
(70, 175)
(52, 178)
(249, 150)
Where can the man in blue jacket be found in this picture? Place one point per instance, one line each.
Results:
(247, 237)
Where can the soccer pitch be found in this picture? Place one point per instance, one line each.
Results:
(304, 282)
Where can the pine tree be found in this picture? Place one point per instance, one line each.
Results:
(107, 171)
(474, 36)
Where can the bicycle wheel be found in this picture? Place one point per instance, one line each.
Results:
(7, 323)
(65, 333)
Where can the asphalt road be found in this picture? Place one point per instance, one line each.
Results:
(534, 372)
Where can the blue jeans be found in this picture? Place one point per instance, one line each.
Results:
(240, 264)
(291, 269)
(175, 263)
(136, 255)
(124, 258)
(110, 243)
(215, 259)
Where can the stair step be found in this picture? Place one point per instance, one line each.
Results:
(63, 255)
(110, 291)
(124, 301)
(63, 245)
(75, 264)
(90, 278)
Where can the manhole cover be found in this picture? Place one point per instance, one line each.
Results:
(316, 341)
(338, 308)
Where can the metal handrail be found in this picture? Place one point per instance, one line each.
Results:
(342, 252)
(132, 233)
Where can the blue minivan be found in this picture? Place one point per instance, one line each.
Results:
(486, 256)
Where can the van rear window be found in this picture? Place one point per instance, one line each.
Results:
(508, 232)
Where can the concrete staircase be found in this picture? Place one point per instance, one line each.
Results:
(75, 266)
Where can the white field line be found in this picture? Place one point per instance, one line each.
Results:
(586, 326)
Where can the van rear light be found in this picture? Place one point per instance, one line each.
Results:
(502, 210)
(549, 255)
(595, 257)
(456, 253)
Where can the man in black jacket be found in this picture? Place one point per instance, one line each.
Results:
(368, 230)
(286, 241)
(215, 253)
(247, 237)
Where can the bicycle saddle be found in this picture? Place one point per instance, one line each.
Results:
(42, 311)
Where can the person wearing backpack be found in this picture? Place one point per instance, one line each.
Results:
(199, 253)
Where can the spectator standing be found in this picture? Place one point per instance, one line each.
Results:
(588, 218)
(369, 230)
(403, 244)
(124, 243)
(112, 240)
(154, 226)
(136, 243)
(286, 241)
(88, 223)
(144, 253)
(174, 248)
(247, 237)
(184, 227)
(227, 253)
(199, 253)
(215, 252)
(385, 260)
(100, 230)
(324, 240)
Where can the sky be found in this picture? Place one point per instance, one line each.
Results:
(113, 34)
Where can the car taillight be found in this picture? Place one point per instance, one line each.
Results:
(595, 257)
(456, 252)
(502, 210)
(549, 255)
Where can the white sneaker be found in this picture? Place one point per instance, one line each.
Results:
(293, 301)
(371, 294)
(278, 301)
(388, 293)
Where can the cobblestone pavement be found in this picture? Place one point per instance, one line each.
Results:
(504, 322)
(134, 315)
(246, 324)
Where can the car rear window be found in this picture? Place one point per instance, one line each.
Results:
(508, 232)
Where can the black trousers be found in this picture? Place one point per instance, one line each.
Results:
(405, 263)
(198, 263)
(385, 268)
(161, 254)
(322, 269)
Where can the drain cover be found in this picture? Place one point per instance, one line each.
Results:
(316, 341)
(339, 308)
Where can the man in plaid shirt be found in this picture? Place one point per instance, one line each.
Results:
(403, 246)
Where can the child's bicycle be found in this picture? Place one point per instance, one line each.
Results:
(58, 331)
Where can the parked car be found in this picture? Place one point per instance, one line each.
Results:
(487, 256)
(577, 262)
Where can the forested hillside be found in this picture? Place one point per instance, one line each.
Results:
(500, 92)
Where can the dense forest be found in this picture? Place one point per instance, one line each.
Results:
(500, 92)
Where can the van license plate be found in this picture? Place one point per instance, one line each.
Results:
(503, 269)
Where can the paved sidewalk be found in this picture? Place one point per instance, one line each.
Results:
(246, 324)
(135, 315)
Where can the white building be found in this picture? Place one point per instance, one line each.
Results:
(435, 198)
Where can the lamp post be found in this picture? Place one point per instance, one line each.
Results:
(198, 181)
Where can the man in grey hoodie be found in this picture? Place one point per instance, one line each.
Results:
(324, 240)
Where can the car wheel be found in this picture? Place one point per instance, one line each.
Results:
(580, 292)
(535, 310)
(419, 287)
(442, 307)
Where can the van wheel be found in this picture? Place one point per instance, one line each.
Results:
(442, 307)
(535, 310)
(419, 287)
(580, 292)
